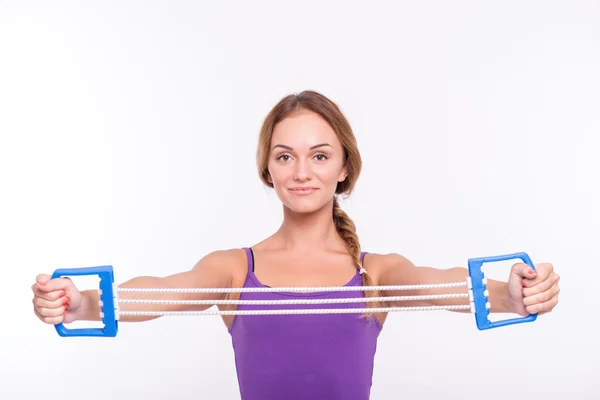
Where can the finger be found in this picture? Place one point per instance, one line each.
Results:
(538, 286)
(50, 296)
(524, 271)
(42, 279)
(542, 308)
(543, 271)
(51, 312)
(52, 285)
(542, 297)
(40, 302)
(49, 320)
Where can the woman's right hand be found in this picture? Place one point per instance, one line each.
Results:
(55, 300)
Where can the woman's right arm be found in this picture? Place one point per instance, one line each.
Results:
(58, 300)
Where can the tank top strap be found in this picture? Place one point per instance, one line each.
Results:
(250, 258)
(362, 256)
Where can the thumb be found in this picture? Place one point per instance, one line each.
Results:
(42, 280)
(46, 284)
(524, 271)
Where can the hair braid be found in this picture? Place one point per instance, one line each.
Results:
(347, 230)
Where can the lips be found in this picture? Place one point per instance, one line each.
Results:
(303, 191)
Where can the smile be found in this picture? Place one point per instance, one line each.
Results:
(303, 191)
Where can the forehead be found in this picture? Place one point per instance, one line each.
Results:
(304, 129)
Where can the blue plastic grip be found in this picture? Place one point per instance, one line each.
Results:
(107, 299)
(479, 288)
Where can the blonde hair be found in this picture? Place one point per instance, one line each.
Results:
(313, 101)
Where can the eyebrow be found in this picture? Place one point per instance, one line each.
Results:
(312, 148)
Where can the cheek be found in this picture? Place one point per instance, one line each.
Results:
(326, 174)
(278, 173)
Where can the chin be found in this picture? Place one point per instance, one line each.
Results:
(305, 205)
(303, 208)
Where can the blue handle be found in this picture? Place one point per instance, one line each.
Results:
(478, 288)
(107, 299)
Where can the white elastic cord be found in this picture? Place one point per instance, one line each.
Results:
(297, 311)
(297, 301)
(363, 271)
(292, 289)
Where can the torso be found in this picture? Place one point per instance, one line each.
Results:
(276, 268)
(301, 356)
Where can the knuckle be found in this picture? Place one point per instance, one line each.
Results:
(540, 298)
(53, 296)
(50, 312)
(533, 290)
(539, 308)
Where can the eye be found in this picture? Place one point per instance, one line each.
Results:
(283, 157)
(321, 157)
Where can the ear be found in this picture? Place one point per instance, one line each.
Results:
(343, 175)
(267, 176)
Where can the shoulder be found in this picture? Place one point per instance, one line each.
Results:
(389, 260)
(224, 259)
(378, 264)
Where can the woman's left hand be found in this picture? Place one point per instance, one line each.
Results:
(533, 291)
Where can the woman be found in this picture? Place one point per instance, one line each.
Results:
(308, 153)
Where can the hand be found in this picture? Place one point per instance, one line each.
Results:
(533, 291)
(55, 300)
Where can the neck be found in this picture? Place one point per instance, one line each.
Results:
(311, 231)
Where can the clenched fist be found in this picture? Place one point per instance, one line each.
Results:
(55, 300)
(533, 291)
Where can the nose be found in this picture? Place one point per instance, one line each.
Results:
(301, 170)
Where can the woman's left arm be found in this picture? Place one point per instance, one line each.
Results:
(527, 291)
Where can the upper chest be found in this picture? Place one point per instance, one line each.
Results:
(274, 268)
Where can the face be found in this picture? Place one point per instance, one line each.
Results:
(306, 162)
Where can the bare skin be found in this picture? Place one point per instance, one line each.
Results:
(305, 251)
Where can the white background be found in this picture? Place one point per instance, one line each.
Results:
(128, 135)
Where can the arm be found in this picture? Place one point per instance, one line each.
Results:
(213, 271)
(397, 270)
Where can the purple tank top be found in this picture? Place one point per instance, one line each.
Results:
(299, 357)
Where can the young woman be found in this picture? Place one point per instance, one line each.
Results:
(308, 154)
